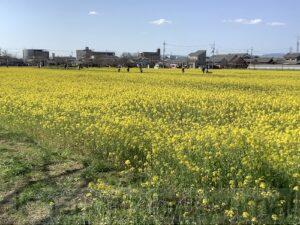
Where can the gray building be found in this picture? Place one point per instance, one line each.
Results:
(239, 60)
(89, 57)
(263, 60)
(35, 56)
(10, 61)
(197, 59)
(62, 60)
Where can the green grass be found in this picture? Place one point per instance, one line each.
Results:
(34, 179)
(47, 186)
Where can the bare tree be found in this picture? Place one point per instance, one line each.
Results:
(128, 59)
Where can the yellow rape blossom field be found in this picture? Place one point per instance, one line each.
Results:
(220, 148)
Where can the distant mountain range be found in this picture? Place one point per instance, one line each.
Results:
(274, 55)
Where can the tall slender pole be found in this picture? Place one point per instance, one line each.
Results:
(251, 57)
(164, 54)
(213, 54)
(298, 44)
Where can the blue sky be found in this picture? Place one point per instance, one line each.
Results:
(136, 25)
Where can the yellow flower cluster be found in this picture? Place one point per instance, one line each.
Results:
(232, 129)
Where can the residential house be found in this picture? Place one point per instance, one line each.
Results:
(238, 61)
(278, 60)
(149, 58)
(218, 61)
(10, 61)
(230, 61)
(292, 58)
(197, 59)
(262, 60)
(265, 60)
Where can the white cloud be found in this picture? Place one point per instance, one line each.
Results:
(244, 21)
(161, 22)
(253, 22)
(276, 24)
(93, 13)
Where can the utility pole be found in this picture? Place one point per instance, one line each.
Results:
(164, 53)
(251, 55)
(298, 44)
(251, 52)
(213, 50)
(5, 54)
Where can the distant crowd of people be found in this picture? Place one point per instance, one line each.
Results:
(204, 69)
(128, 68)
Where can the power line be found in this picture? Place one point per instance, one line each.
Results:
(217, 47)
(186, 46)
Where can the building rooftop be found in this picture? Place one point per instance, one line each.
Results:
(197, 53)
(292, 56)
(264, 60)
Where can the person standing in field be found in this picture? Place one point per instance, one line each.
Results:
(203, 69)
(141, 68)
(206, 69)
(128, 69)
(183, 69)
